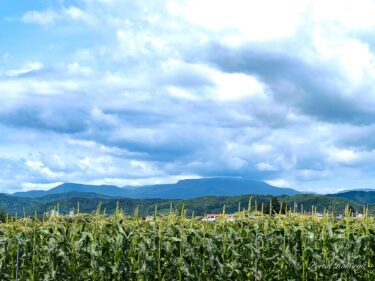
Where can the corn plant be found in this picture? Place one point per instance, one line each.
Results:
(255, 246)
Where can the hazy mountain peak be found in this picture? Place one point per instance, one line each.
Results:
(183, 189)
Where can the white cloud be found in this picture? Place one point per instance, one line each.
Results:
(50, 17)
(353, 57)
(143, 181)
(344, 156)
(46, 17)
(42, 169)
(263, 166)
(77, 69)
(180, 93)
(241, 21)
(347, 14)
(311, 175)
(26, 69)
(236, 86)
(77, 14)
(38, 186)
(214, 84)
(279, 182)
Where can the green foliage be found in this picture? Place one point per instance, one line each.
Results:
(173, 247)
(363, 197)
(202, 205)
(275, 206)
(351, 210)
(3, 215)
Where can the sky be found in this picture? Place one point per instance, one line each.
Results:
(143, 92)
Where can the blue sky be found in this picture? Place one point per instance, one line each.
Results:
(140, 92)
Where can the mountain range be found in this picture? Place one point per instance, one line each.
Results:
(360, 196)
(201, 195)
(183, 189)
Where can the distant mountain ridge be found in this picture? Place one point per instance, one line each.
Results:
(201, 195)
(360, 196)
(183, 189)
(105, 190)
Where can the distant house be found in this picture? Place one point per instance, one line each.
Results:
(214, 217)
(52, 213)
(211, 217)
(149, 218)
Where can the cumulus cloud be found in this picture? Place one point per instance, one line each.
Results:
(26, 69)
(141, 93)
(43, 18)
(50, 17)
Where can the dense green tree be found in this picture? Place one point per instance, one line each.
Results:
(276, 205)
(3, 215)
(351, 210)
(89, 202)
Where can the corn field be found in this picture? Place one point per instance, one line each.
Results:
(255, 246)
